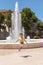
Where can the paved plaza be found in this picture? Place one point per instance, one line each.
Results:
(24, 57)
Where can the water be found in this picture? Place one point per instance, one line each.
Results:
(16, 27)
(30, 41)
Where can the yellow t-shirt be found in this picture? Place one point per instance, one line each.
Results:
(21, 39)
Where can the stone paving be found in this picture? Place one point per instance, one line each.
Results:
(24, 57)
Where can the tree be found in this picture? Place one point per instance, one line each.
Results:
(1, 18)
(8, 18)
(28, 18)
(40, 28)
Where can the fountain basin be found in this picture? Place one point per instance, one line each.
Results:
(32, 43)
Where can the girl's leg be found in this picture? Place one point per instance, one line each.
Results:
(21, 46)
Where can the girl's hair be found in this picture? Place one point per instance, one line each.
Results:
(21, 33)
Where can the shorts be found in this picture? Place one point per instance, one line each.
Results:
(21, 42)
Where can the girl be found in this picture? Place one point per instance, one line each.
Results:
(21, 40)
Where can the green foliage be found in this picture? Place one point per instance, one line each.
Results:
(1, 18)
(28, 18)
(8, 22)
(40, 26)
(8, 18)
(29, 21)
(37, 32)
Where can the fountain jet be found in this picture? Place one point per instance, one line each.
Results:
(16, 27)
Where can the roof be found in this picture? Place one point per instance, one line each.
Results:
(4, 11)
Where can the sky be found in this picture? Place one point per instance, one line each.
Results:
(35, 5)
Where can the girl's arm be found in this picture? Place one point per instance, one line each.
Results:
(17, 40)
(25, 40)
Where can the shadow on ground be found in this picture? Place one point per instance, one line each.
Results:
(26, 56)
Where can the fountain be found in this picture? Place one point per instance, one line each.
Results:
(16, 27)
